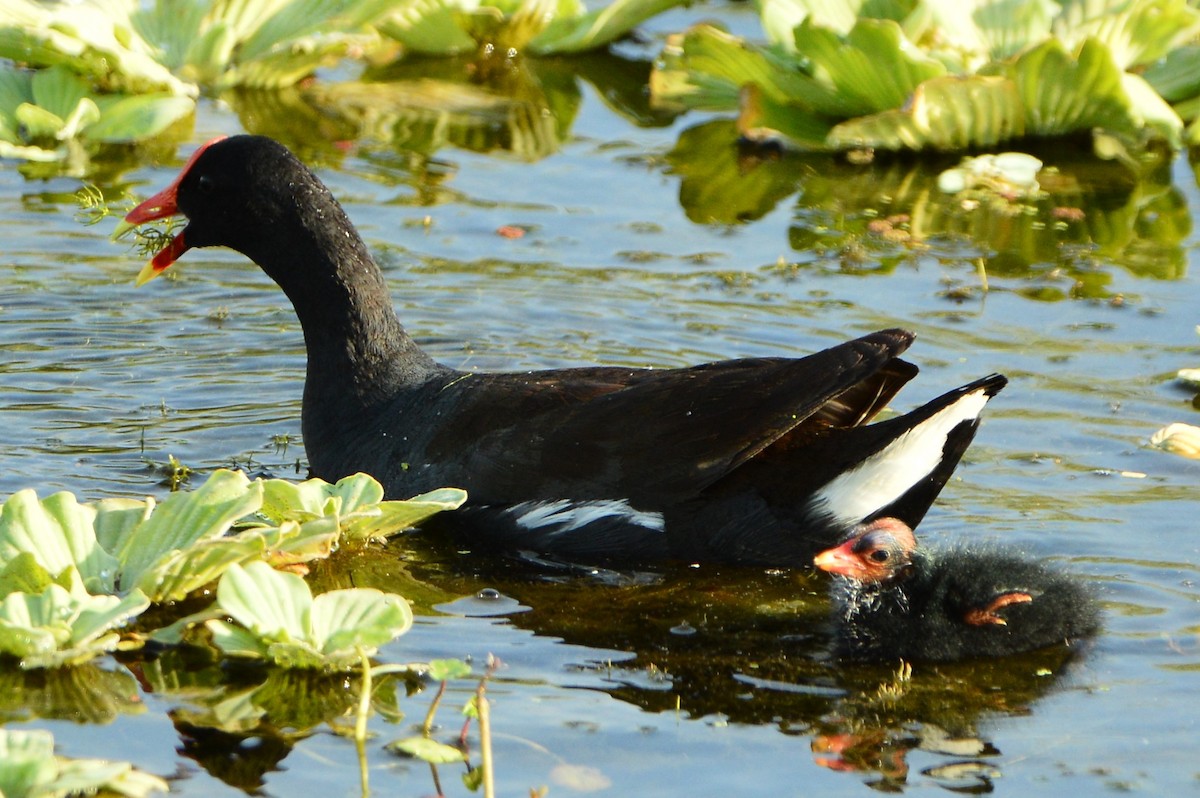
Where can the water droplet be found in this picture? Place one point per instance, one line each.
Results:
(489, 594)
(684, 629)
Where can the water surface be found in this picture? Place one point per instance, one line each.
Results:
(703, 681)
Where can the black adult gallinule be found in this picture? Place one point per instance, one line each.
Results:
(763, 460)
(898, 600)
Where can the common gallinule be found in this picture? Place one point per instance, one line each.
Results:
(898, 600)
(764, 460)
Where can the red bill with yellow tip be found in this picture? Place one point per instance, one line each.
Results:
(163, 205)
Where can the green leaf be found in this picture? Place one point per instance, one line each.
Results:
(38, 122)
(56, 627)
(345, 620)
(388, 518)
(292, 501)
(234, 641)
(282, 621)
(58, 532)
(302, 18)
(874, 68)
(430, 27)
(28, 767)
(117, 518)
(442, 670)
(136, 118)
(1135, 32)
(1087, 91)
(183, 520)
(271, 604)
(1176, 77)
(177, 573)
(598, 28)
(427, 750)
(945, 114)
(707, 67)
(58, 90)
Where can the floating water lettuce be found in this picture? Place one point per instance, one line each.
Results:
(1178, 438)
(942, 74)
(355, 503)
(537, 27)
(55, 627)
(71, 574)
(46, 115)
(279, 619)
(30, 769)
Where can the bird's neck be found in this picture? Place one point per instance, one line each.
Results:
(359, 355)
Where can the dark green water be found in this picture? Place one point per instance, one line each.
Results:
(652, 242)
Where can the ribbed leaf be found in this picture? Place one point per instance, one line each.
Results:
(184, 519)
(874, 68)
(1176, 77)
(58, 90)
(344, 620)
(1086, 91)
(57, 627)
(210, 54)
(141, 117)
(388, 518)
(274, 605)
(1135, 32)
(945, 114)
(37, 122)
(58, 532)
(16, 87)
(302, 18)
(298, 631)
(428, 26)
(710, 64)
(117, 518)
(597, 28)
(171, 27)
(178, 573)
(298, 501)
(1009, 26)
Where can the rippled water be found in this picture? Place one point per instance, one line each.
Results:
(699, 681)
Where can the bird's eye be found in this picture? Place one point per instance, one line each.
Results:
(879, 555)
(205, 184)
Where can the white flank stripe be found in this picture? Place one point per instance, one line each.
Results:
(570, 516)
(887, 475)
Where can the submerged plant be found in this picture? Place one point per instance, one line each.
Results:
(944, 74)
(30, 769)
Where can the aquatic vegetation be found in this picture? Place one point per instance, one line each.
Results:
(279, 619)
(508, 27)
(72, 574)
(52, 115)
(55, 627)
(29, 769)
(945, 75)
(1178, 438)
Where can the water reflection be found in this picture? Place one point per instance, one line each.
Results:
(1094, 215)
(523, 107)
(757, 651)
